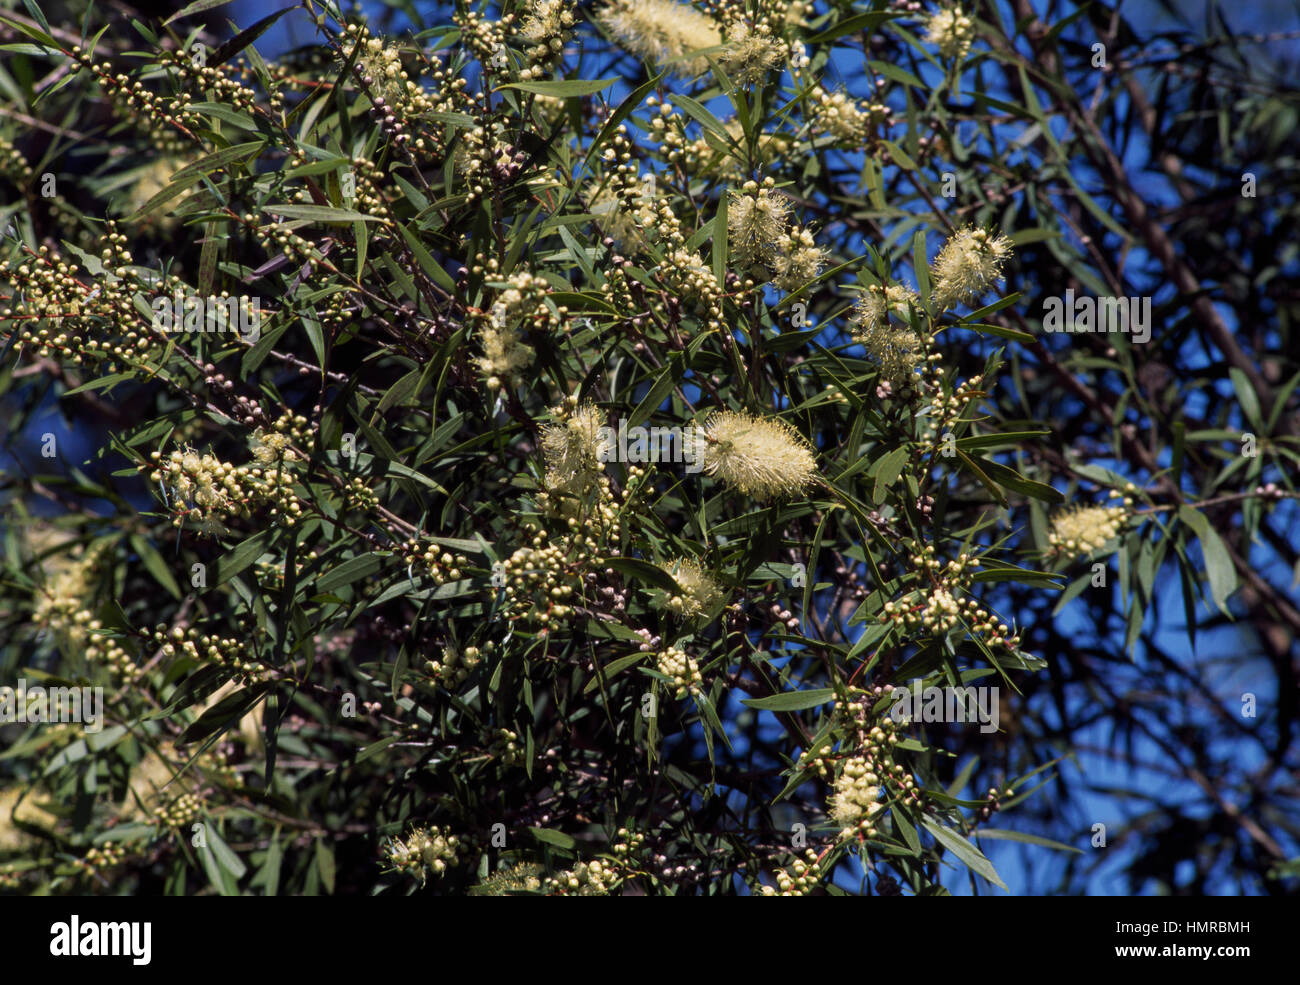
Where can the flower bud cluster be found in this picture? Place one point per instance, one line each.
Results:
(178, 813)
(163, 119)
(840, 116)
(213, 82)
(938, 608)
(708, 156)
(942, 411)
(681, 669)
(506, 747)
(88, 319)
(439, 564)
(799, 878)
(594, 878)
(204, 488)
(204, 648)
(1084, 529)
(455, 667)
(521, 304)
(100, 857)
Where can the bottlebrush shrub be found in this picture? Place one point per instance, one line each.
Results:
(375, 603)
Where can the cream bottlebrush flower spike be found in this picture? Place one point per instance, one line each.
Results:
(660, 30)
(700, 593)
(798, 260)
(951, 30)
(572, 449)
(756, 221)
(897, 349)
(968, 265)
(751, 52)
(760, 456)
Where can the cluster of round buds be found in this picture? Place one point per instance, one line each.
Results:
(179, 813)
(358, 496)
(629, 843)
(280, 237)
(540, 581)
(424, 851)
(993, 802)
(366, 188)
(200, 647)
(454, 668)
(786, 618)
(1085, 529)
(937, 610)
(708, 155)
(834, 394)
(905, 785)
(486, 158)
(871, 737)
(163, 120)
(594, 878)
(10, 879)
(63, 310)
(486, 38)
(797, 879)
(944, 411)
(100, 857)
(271, 573)
(681, 669)
(214, 81)
(439, 564)
(838, 115)
(684, 275)
(110, 653)
(16, 171)
(506, 747)
(219, 489)
(13, 166)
